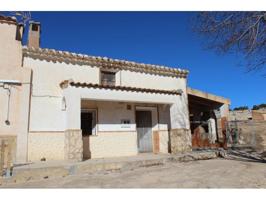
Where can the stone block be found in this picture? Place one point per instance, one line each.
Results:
(180, 140)
(7, 154)
(73, 145)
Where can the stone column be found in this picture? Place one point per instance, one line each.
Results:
(180, 140)
(180, 134)
(73, 145)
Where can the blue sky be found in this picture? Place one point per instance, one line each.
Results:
(163, 38)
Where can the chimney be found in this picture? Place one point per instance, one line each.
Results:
(34, 34)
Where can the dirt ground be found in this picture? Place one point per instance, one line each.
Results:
(215, 173)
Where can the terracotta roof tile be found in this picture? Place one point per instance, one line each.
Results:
(66, 83)
(104, 62)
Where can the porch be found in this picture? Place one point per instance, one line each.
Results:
(111, 129)
(115, 122)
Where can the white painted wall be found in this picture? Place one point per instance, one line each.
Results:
(48, 75)
(46, 113)
(145, 80)
(179, 113)
(113, 144)
(110, 115)
(74, 95)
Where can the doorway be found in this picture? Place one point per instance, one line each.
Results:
(144, 130)
(88, 127)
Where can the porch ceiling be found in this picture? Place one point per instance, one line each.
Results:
(202, 104)
(207, 97)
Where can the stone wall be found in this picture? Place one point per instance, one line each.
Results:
(73, 145)
(7, 154)
(259, 115)
(251, 133)
(180, 140)
(240, 115)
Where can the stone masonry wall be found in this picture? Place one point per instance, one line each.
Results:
(252, 133)
(73, 145)
(180, 140)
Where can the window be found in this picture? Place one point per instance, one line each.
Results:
(108, 78)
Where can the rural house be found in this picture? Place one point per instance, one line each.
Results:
(58, 105)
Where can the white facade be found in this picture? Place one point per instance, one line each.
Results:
(47, 104)
(54, 109)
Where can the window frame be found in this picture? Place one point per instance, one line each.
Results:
(110, 83)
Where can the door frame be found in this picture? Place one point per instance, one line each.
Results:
(146, 108)
(94, 115)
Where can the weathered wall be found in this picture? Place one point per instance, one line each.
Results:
(113, 144)
(11, 49)
(48, 145)
(10, 69)
(73, 145)
(252, 133)
(259, 115)
(8, 146)
(240, 115)
(180, 140)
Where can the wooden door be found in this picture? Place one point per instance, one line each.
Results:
(144, 130)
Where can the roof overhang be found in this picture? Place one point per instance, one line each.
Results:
(207, 96)
(199, 100)
(68, 83)
(102, 62)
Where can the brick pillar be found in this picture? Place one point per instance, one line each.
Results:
(73, 145)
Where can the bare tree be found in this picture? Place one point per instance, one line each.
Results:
(243, 32)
